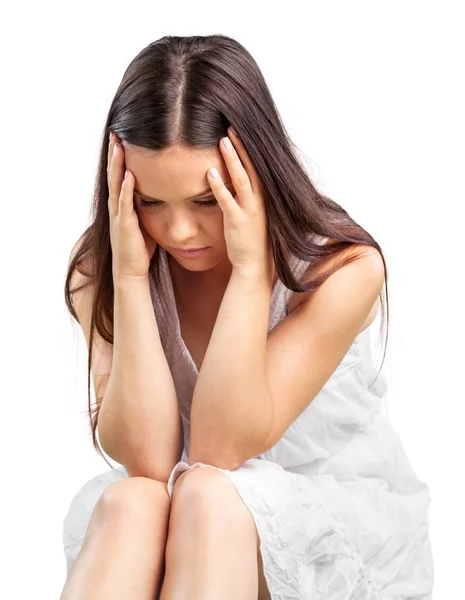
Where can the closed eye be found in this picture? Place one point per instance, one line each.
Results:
(207, 204)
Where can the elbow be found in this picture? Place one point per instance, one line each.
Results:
(148, 471)
(137, 465)
(230, 446)
(215, 460)
(228, 456)
(154, 460)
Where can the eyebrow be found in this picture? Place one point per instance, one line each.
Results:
(206, 192)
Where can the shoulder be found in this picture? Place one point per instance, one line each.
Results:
(369, 264)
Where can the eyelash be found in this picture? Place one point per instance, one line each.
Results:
(207, 204)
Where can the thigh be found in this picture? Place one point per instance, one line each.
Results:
(263, 591)
(81, 509)
(205, 488)
(126, 535)
(135, 504)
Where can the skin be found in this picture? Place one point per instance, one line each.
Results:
(121, 556)
(233, 553)
(123, 552)
(172, 175)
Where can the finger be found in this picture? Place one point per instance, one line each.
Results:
(112, 140)
(237, 171)
(112, 190)
(126, 197)
(111, 143)
(225, 199)
(245, 159)
(112, 203)
(116, 179)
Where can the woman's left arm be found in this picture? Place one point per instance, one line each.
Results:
(252, 386)
(231, 412)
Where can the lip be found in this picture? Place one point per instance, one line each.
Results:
(191, 253)
(190, 249)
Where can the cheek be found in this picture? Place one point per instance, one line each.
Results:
(217, 220)
(214, 223)
(151, 225)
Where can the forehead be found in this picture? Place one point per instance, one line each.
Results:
(176, 162)
(175, 172)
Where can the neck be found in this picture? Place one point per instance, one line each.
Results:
(216, 278)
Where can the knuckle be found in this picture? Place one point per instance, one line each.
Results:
(242, 179)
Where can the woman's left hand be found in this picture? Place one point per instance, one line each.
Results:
(244, 216)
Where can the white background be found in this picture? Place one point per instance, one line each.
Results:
(371, 92)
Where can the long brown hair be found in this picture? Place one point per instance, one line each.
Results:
(188, 90)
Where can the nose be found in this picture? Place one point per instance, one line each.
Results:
(181, 229)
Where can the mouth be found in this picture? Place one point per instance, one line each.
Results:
(191, 249)
(191, 252)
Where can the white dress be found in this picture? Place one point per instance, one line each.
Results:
(340, 512)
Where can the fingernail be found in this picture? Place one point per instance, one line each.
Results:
(227, 143)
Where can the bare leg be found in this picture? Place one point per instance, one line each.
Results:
(123, 553)
(211, 550)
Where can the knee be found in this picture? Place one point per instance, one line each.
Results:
(135, 498)
(205, 493)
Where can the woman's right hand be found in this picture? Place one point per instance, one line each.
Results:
(132, 247)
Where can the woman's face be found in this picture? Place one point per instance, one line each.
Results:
(171, 176)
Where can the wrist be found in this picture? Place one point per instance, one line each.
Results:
(253, 274)
(125, 280)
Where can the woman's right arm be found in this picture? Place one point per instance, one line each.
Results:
(140, 424)
(139, 421)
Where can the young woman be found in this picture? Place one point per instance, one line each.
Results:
(228, 317)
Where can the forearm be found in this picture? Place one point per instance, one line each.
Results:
(139, 419)
(231, 400)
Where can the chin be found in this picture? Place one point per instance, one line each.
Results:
(189, 265)
(212, 262)
(199, 263)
